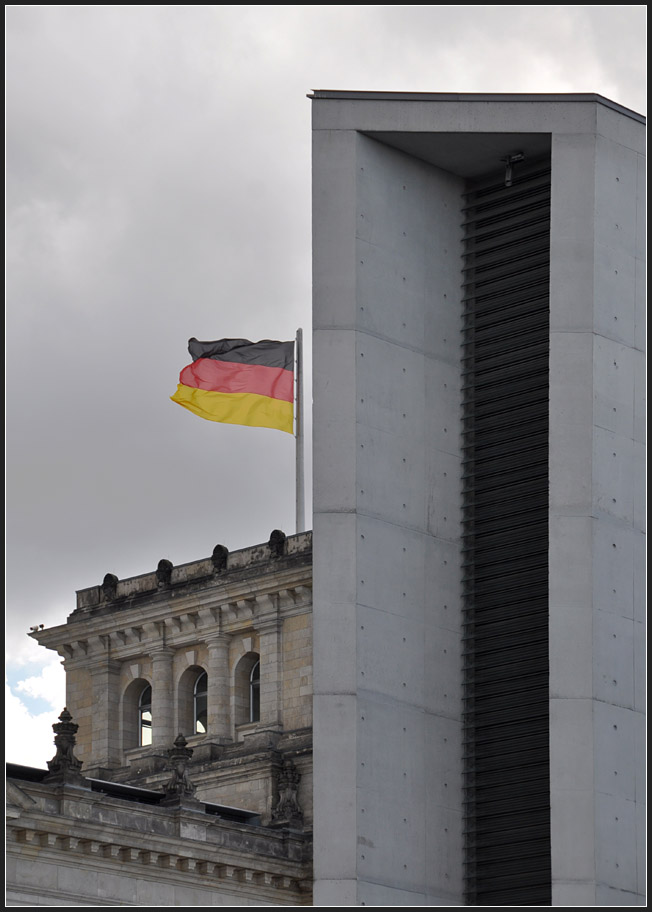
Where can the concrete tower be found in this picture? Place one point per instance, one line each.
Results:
(479, 284)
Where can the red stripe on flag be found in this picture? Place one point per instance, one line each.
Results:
(231, 377)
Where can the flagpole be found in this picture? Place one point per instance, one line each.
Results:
(300, 491)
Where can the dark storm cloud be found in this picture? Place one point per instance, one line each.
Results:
(142, 211)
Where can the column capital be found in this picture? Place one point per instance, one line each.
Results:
(108, 666)
(268, 625)
(161, 652)
(218, 639)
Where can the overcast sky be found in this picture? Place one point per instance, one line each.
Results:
(158, 187)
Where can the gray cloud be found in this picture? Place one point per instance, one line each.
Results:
(158, 187)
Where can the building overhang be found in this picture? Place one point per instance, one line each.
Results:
(465, 133)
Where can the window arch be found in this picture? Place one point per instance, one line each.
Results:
(254, 693)
(137, 714)
(200, 704)
(145, 717)
(192, 696)
(246, 687)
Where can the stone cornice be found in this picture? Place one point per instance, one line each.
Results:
(180, 620)
(106, 848)
(173, 602)
(108, 832)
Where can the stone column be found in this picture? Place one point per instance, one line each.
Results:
(270, 674)
(105, 727)
(219, 722)
(162, 698)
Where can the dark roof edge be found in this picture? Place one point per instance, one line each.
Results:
(335, 94)
(134, 793)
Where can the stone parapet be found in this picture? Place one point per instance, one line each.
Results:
(242, 562)
(198, 602)
(64, 843)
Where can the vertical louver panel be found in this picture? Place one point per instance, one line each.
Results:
(506, 329)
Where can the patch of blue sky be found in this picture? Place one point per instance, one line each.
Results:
(34, 705)
(20, 672)
(15, 674)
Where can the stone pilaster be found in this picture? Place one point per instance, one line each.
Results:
(270, 673)
(105, 724)
(163, 698)
(219, 722)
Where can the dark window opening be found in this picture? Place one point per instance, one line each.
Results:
(145, 717)
(254, 693)
(200, 703)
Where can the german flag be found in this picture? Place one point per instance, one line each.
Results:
(236, 381)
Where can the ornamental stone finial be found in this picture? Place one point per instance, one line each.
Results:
(288, 810)
(277, 542)
(179, 787)
(220, 558)
(164, 573)
(64, 766)
(109, 587)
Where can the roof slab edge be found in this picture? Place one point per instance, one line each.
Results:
(475, 98)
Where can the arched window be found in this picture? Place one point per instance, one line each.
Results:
(136, 714)
(145, 716)
(200, 706)
(246, 689)
(192, 701)
(254, 693)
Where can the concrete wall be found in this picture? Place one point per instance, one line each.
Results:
(387, 706)
(386, 322)
(597, 538)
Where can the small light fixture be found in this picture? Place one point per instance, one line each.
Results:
(509, 161)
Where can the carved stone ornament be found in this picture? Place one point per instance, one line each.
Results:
(220, 558)
(64, 766)
(277, 543)
(164, 572)
(179, 785)
(109, 586)
(288, 810)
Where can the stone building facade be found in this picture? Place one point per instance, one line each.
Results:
(94, 843)
(216, 653)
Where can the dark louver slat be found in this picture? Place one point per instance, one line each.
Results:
(505, 550)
